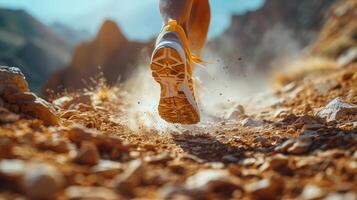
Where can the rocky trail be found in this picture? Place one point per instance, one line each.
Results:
(298, 142)
(303, 145)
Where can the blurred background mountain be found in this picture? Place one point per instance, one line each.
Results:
(59, 56)
(29, 44)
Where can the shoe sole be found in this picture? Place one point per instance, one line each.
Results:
(168, 69)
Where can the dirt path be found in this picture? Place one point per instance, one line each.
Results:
(287, 150)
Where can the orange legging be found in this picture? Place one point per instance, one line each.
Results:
(193, 15)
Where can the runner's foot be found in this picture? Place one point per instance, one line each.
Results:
(171, 66)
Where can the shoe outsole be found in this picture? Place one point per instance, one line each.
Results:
(168, 70)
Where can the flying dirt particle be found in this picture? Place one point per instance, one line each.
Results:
(138, 102)
(240, 59)
(220, 94)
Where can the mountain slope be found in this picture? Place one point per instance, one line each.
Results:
(279, 29)
(110, 52)
(31, 45)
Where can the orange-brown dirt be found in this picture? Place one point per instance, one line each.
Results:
(276, 153)
(301, 145)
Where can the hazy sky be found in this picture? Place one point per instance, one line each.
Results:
(138, 19)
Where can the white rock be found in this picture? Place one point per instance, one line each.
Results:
(249, 122)
(312, 192)
(348, 57)
(97, 193)
(202, 178)
(336, 110)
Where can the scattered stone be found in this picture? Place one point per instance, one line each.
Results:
(266, 189)
(238, 111)
(261, 140)
(348, 57)
(177, 168)
(69, 113)
(113, 145)
(43, 181)
(313, 126)
(131, 178)
(290, 118)
(11, 174)
(230, 159)
(32, 105)
(323, 88)
(301, 146)
(162, 158)
(354, 124)
(336, 110)
(7, 117)
(55, 145)
(36, 180)
(280, 113)
(282, 148)
(62, 101)
(149, 146)
(87, 192)
(107, 168)
(347, 76)
(202, 178)
(6, 146)
(88, 154)
(85, 99)
(305, 120)
(77, 134)
(206, 182)
(289, 87)
(339, 196)
(278, 161)
(249, 122)
(214, 165)
(309, 133)
(311, 192)
(12, 77)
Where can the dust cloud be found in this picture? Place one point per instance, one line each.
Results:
(221, 84)
(218, 92)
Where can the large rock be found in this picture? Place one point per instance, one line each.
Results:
(30, 104)
(336, 110)
(14, 91)
(12, 77)
(301, 146)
